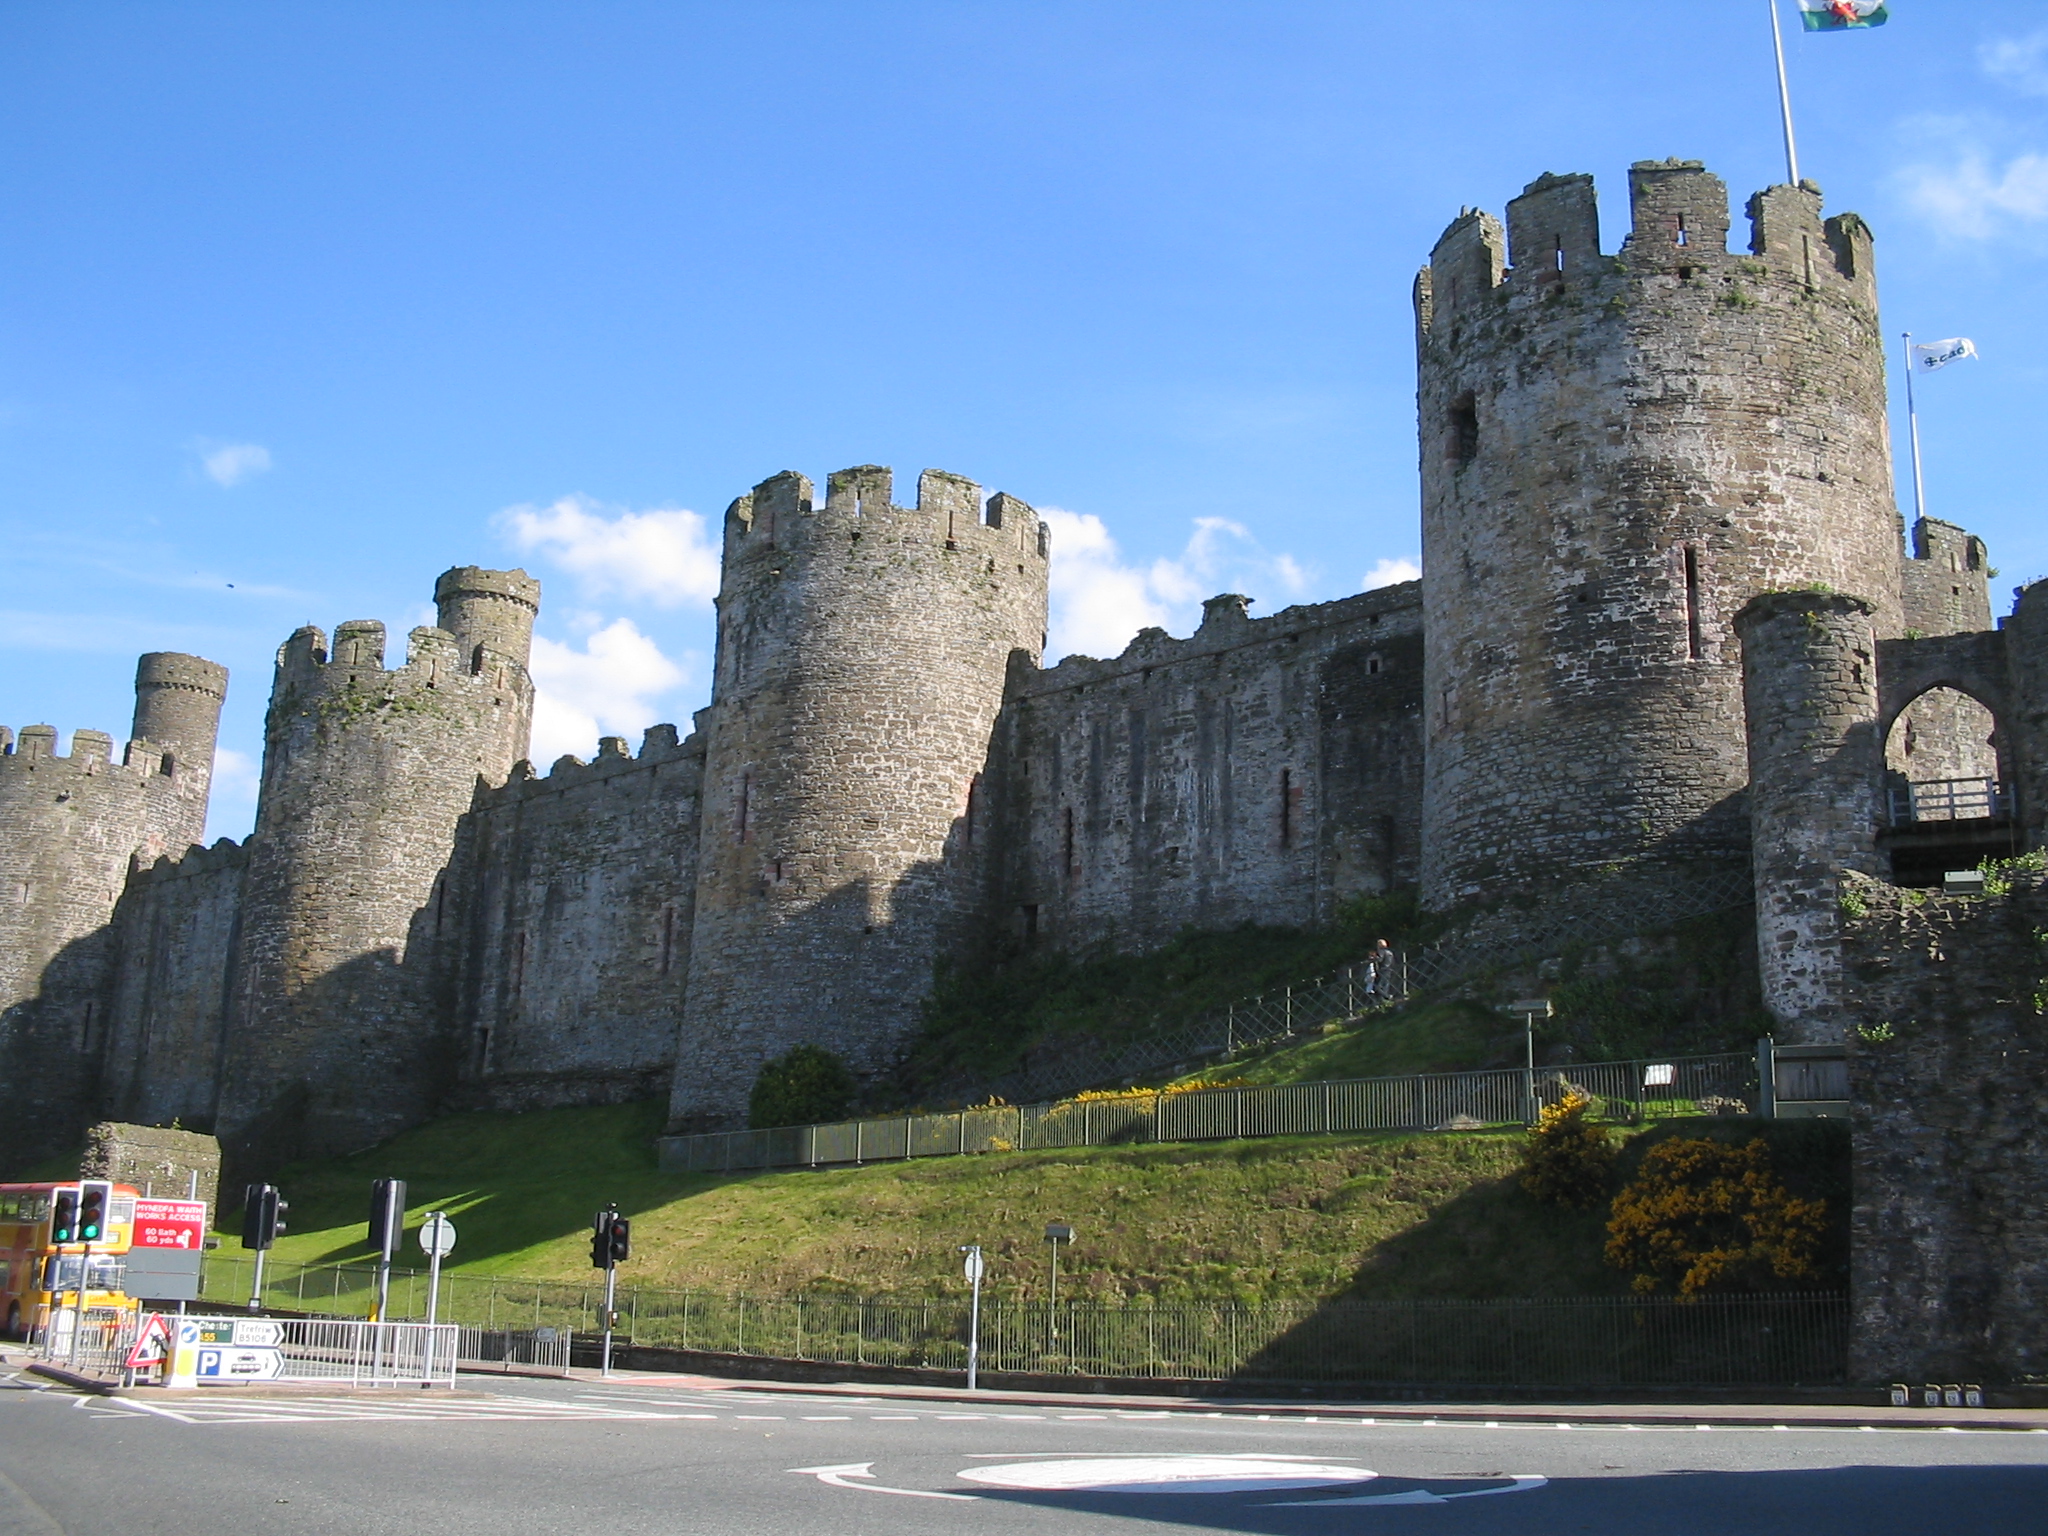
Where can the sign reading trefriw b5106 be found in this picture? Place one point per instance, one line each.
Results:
(177, 1224)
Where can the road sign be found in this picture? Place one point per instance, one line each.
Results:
(258, 1333)
(977, 1266)
(437, 1235)
(232, 1364)
(152, 1343)
(177, 1224)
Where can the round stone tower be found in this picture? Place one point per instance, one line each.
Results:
(337, 1035)
(1618, 452)
(862, 650)
(177, 711)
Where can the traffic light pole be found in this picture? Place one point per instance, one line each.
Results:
(256, 1285)
(611, 1290)
(78, 1303)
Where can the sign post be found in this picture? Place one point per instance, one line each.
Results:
(387, 1227)
(437, 1237)
(1531, 1009)
(1056, 1232)
(976, 1267)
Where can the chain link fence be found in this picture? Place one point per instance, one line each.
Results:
(1623, 1091)
(1574, 1342)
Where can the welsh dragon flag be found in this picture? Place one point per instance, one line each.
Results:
(1841, 15)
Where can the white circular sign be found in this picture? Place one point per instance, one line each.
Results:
(1165, 1474)
(437, 1235)
(977, 1266)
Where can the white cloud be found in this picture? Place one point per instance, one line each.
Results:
(664, 556)
(2020, 62)
(1387, 572)
(610, 687)
(229, 464)
(1100, 600)
(1963, 188)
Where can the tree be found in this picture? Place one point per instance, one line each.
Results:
(805, 1086)
(1710, 1215)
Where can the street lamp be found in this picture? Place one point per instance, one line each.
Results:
(1056, 1232)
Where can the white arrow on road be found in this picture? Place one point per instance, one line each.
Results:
(1521, 1484)
(836, 1477)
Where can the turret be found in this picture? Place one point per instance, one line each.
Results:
(1618, 452)
(338, 1031)
(862, 651)
(177, 711)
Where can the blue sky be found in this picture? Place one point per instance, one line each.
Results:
(301, 304)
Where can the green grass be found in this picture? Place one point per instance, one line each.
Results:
(1447, 1036)
(1295, 1218)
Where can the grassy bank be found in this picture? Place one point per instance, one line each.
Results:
(1297, 1218)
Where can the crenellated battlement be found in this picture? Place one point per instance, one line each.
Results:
(1226, 627)
(196, 860)
(1678, 239)
(92, 754)
(658, 746)
(782, 514)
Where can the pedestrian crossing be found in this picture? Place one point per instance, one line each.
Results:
(489, 1408)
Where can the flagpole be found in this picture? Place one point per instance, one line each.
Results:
(1785, 100)
(1913, 428)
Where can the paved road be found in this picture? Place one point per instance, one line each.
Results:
(508, 1457)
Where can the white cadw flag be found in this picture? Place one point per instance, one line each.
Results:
(1939, 354)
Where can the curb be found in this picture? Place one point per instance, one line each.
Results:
(1646, 1415)
(77, 1379)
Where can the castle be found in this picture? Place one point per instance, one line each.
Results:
(1668, 621)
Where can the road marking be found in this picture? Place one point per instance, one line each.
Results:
(837, 1477)
(893, 1418)
(759, 1418)
(828, 1418)
(960, 1417)
(1168, 1474)
(318, 1410)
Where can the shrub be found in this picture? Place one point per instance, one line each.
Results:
(1711, 1215)
(1566, 1161)
(806, 1086)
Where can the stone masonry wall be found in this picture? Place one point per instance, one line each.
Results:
(1260, 771)
(173, 942)
(1618, 452)
(1949, 1076)
(580, 891)
(69, 826)
(159, 1161)
(340, 1030)
(1944, 734)
(862, 652)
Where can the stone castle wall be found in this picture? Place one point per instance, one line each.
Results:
(173, 939)
(1949, 1070)
(580, 898)
(862, 653)
(1260, 771)
(69, 827)
(1617, 452)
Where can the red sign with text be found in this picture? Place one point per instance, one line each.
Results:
(177, 1224)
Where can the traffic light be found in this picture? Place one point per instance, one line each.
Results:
(387, 1215)
(620, 1239)
(601, 1239)
(263, 1212)
(64, 1216)
(94, 1196)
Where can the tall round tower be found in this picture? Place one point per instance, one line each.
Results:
(1618, 452)
(177, 711)
(862, 649)
(336, 1031)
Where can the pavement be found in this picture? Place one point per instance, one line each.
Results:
(651, 1453)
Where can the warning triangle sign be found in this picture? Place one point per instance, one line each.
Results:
(152, 1342)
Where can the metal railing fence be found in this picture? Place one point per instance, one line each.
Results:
(1630, 901)
(1590, 1342)
(1622, 1090)
(1947, 800)
(543, 1348)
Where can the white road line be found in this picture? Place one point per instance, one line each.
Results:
(828, 1418)
(893, 1418)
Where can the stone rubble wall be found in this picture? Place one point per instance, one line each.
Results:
(1260, 771)
(1948, 1073)
(580, 890)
